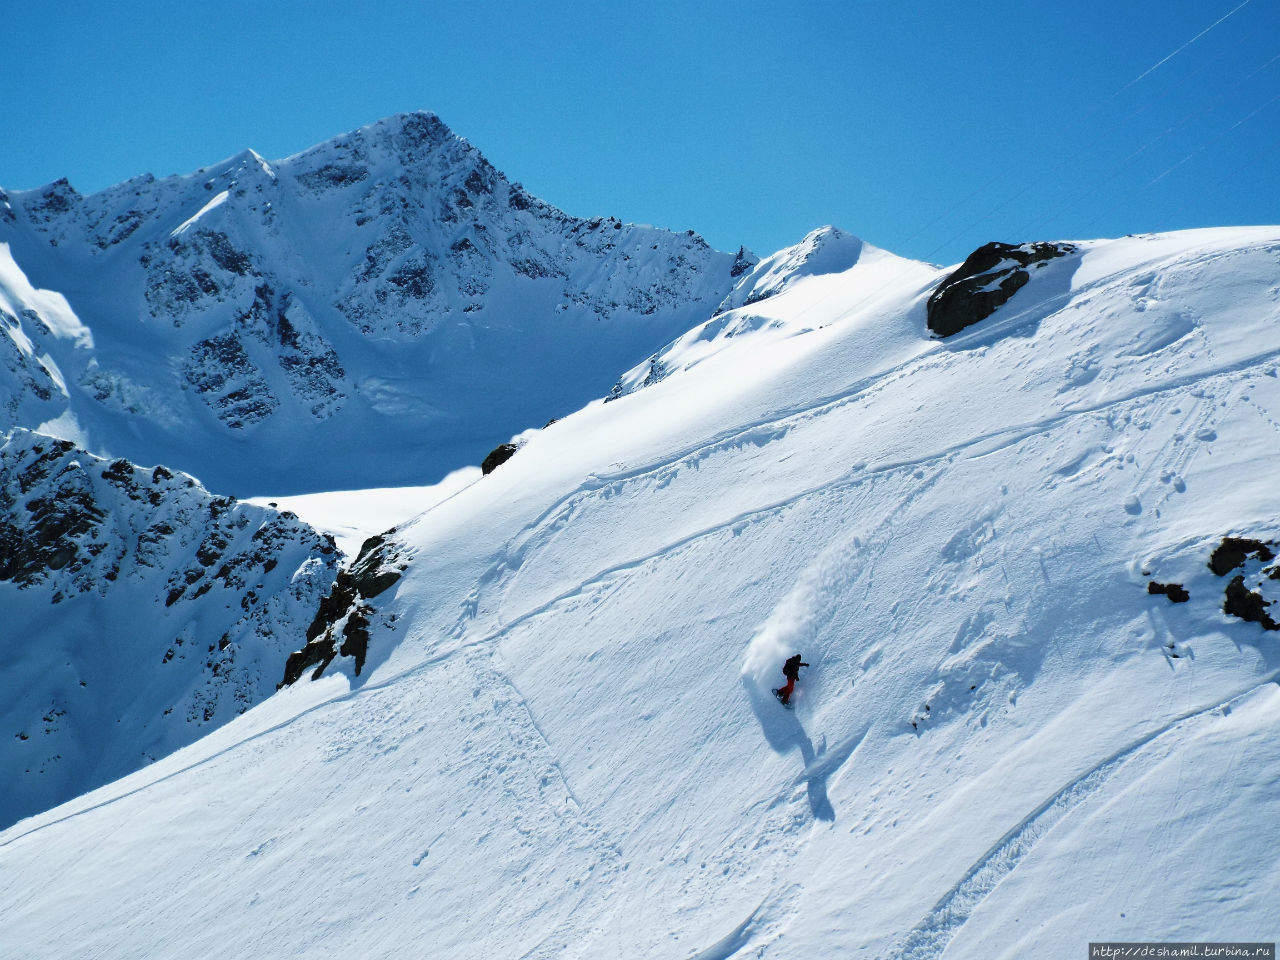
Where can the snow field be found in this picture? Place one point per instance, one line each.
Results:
(567, 747)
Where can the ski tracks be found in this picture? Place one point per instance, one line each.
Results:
(529, 746)
(931, 936)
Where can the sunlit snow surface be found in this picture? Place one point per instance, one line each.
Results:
(352, 516)
(566, 747)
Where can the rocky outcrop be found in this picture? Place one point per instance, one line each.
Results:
(341, 623)
(1232, 553)
(986, 280)
(1239, 600)
(1176, 592)
(497, 457)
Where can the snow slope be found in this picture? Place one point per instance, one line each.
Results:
(567, 747)
(387, 289)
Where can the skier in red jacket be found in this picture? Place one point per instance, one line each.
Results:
(790, 670)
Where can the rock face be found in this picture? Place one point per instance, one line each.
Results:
(985, 281)
(349, 299)
(1176, 592)
(139, 612)
(497, 457)
(1239, 600)
(341, 625)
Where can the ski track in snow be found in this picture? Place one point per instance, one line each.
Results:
(774, 831)
(930, 937)
(758, 433)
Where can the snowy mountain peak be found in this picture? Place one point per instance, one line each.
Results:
(48, 203)
(248, 163)
(782, 297)
(824, 250)
(352, 298)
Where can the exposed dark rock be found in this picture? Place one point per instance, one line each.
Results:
(480, 182)
(375, 570)
(56, 199)
(355, 636)
(1174, 591)
(1247, 605)
(413, 279)
(986, 280)
(56, 526)
(497, 457)
(333, 175)
(1233, 551)
(229, 382)
(518, 198)
(419, 131)
(224, 254)
(743, 262)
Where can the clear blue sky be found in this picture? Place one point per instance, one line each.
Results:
(925, 127)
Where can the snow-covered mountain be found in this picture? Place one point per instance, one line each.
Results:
(139, 612)
(386, 290)
(1030, 562)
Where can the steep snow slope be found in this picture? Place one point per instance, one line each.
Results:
(1004, 745)
(826, 252)
(33, 389)
(388, 289)
(139, 613)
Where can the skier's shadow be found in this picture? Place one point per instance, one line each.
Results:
(784, 733)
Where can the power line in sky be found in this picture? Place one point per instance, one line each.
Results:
(1159, 63)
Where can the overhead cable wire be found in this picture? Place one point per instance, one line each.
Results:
(1201, 149)
(1160, 63)
(1102, 104)
(1059, 165)
(1266, 153)
(888, 281)
(1116, 169)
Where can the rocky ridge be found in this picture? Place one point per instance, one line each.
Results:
(140, 612)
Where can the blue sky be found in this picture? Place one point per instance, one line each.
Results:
(927, 127)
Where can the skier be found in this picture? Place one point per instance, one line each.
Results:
(790, 670)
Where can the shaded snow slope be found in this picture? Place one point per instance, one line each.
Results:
(388, 290)
(1004, 745)
(139, 613)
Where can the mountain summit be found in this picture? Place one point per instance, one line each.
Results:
(386, 290)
